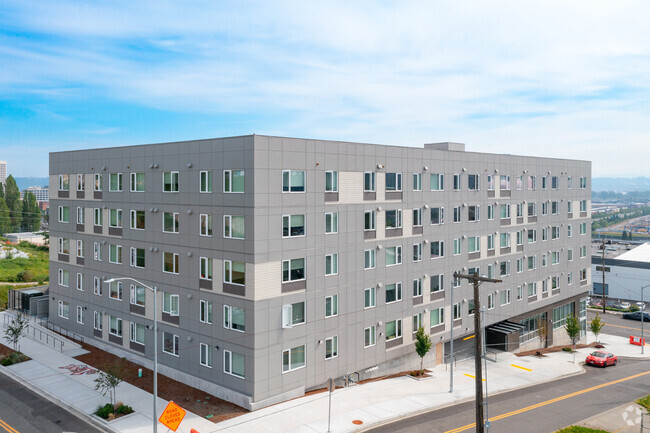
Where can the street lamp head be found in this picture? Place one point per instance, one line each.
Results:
(110, 280)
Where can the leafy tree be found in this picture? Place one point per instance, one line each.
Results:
(572, 327)
(15, 329)
(5, 217)
(31, 213)
(596, 325)
(108, 380)
(422, 346)
(12, 197)
(2, 190)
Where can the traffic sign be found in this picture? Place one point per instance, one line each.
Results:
(600, 269)
(172, 416)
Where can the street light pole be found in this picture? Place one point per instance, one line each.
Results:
(154, 289)
(642, 319)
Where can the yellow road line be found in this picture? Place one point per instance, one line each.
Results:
(551, 401)
(621, 326)
(7, 427)
(467, 338)
(519, 366)
(473, 377)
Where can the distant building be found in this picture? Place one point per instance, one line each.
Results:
(627, 268)
(32, 238)
(3, 172)
(42, 193)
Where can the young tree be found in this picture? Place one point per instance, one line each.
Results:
(422, 346)
(572, 327)
(12, 197)
(5, 217)
(108, 380)
(31, 213)
(15, 329)
(596, 326)
(542, 331)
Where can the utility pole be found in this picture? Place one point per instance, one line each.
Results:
(603, 266)
(476, 280)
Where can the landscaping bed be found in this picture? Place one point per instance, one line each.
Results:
(552, 349)
(9, 357)
(109, 413)
(578, 429)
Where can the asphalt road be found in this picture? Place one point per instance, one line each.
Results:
(616, 325)
(23, 411)
(540, 408)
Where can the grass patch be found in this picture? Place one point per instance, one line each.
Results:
(578, 429)
(4, 293)
(645, 402)
(36, 268)
(14, 358)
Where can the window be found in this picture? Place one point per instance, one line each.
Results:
(170, 343)
(504, 182)
(98, 217)
(170, 222)
(583, 252)
(205, 225)
(394, 218)
(490, 242)
(331, 347)
(170, 304)
(64, 278)
(532, 211)
(417, 181)
(437, 249)
(544, 260)
(81, 182)
(234, 272)
(471, 309)
(205, 355)
(115, 182)
(490, 301)
(490, 212)
(115, 326)
(97, 182)
(583, 274)
(569, 182)
(393, 329)
(137, 295)
(369, 297)
(457, 311)
(369, 336)
(583, 228)
(505, 240)
(520, 237)
(473, 213)
(115, 290)
(331, 306)
(569, 230)
(532, 183)
(520, 182)
(520, 210)
(394, 255)
(457, 217)
(137, 257)
(64, 246)
(569, 278)
(205, 268)
(417, 252)
(369, 181)
(437, 215)
(293, 181)
(115, 254)
(331, 264)
(490, 182)
(555, 232)
(544, 208)
(64, 182)
(137, 220)
(97, 286)
(437, 182)
(583, 182)
(544, 182)
(331, 181)
(393, 181)
(205, 312)
(331, 222)
(545, 233)
(292, 225)
(293, 270)
(505, 297)
(235, 317)
(569, 255)
(437, 283)
(170, 181)
(234, 363)
(417, 321)
(64, 214)
(393, 292)
(554, 182)
(115, 218)
(369, 220)
(532, 263)
(532, 236)
(437, 316)
(545, 285)
(505, 211)
(490, 271)
(137, 333)
(170, 263)
(473, 244)
(417, 287)
(520, 264)
(97, 320)
(293, 314)
(205, 181)
(532, 289)
(80, 281)
(417, 217)
(233, 226)
(555, 208)
(456, 182)
(473, 182)
(583, 205)
(520, 293)
(293, 359)
(369, 259)
(233, 181)
(457, 247)
(81, 215)
(555, 282)
(504, 268)
(137, 182)
(64, 309)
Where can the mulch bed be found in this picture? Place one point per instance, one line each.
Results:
(192, 399)
(542, 351)
(4, 351)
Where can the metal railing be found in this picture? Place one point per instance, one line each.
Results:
(524, 338)
(44, 337)
(56, 328)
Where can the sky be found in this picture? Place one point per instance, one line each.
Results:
(544, 78)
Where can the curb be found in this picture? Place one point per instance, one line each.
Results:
(57, 401)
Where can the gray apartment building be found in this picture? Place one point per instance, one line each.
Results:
(282, 262)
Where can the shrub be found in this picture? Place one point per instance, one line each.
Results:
(13, 358)
(104, 411)
(124, 410)
(567, 349)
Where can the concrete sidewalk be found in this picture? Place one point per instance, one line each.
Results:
(623, 419)
(371, 403)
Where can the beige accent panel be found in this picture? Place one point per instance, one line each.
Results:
(380, 224)
(407, 326)
(267, 279)
(126, 334)
(54, 248)
(160, 305)
(217, 275)
(350, 187)
(106, 323)
(588, 207)
(54, 186)
(105, 220)
(381, 186)
(148, 302)
(407, 222)
(88, 219)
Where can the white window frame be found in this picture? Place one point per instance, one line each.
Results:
(205, 355)
(333, 264)
(289, 186)
(369, 257)
(229, 173)
(205, 311)
(417, 181)
(133, 186)
(369, 336)
(208, 181)
(119, 182)
(333, 219)
(370, 294)
(175, 221)
(172, 175)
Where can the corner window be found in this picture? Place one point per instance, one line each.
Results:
(234, 318)
(293, 314)
(234, 364)
(293, 270)
(293, 181)
(233, 181)
(234, 272)
(170, 181)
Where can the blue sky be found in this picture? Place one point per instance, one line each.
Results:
(547, 78)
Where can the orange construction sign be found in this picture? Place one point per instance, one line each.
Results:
(172, 416)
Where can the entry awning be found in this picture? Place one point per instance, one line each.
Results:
(506, 327)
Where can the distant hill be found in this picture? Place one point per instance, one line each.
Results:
(620, 184)
(24, 182)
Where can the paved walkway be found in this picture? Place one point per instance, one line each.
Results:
(371, 403)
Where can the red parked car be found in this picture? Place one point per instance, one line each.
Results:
(601, 359)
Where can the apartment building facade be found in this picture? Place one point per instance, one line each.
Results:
(281, 262)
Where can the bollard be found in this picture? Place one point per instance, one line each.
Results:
(139, 372)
